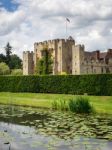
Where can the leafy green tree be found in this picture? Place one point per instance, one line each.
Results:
(8, 50)
(44, 65)
(2, 58)
(15, 62)
(4, 69)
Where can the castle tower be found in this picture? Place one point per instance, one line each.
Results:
(28, 63)
(77, 59)
(65, 55)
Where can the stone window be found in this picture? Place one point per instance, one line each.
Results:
(60, 48)
(107, 70)
(43, 53)
(87, 70)
(92, 68)
(102, 71)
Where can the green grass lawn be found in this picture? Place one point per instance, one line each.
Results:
(102, 104)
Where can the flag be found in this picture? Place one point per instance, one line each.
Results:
(67, 20)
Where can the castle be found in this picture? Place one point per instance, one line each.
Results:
(68, 58)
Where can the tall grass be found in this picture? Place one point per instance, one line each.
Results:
(60, 104)
(80, 105)
(77, 105)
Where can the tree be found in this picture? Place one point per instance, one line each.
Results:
(15, 62)
(44, 65)
(2, 58)
(8, 50)
(4, 69)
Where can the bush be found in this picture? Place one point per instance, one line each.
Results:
(62, 84)
(80, 105)
(4, 69)
(60, 105)
(17, 72)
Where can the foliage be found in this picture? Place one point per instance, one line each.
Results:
(12, 60)
(17, 72)
(77, 105)
(4, 69)
(63, 73)
(39, 67)
(102, 104)
(15, 62)
(44, 65)
(8, 50)
(60, 104)
(2, 58)
(68, 84)
(80, 105)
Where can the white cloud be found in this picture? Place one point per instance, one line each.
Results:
(37, 20)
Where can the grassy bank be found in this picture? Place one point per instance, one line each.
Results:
(102, 104)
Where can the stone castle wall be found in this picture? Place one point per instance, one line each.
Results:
(82, 64)
(69, 58)
(28, 63)
(61, 51)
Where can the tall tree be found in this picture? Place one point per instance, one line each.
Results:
(8, 50)
(2, 58)
(15, 62)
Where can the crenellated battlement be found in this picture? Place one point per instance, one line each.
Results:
(48, 42)
(94, 62)
(28, 52)
(68, 57)
(79, 46)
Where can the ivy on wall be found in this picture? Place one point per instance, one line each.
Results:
(44, 65)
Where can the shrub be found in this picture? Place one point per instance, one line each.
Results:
(80, 105)
(17, 72)
(4, 69)
(63, 73)
(59, 84)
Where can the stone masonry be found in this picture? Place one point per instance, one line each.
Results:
(28, 63)
(68, 58)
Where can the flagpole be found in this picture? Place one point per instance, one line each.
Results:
(67, 20)
(66, 29)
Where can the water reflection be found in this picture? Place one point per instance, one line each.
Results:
(35, 129)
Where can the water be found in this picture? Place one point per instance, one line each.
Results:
(36, 129)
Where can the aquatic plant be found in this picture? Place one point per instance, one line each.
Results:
(77, 105)
(60, 104)
(80, 105)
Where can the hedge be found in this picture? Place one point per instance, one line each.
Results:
(66, 84)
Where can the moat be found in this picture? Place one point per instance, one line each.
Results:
(37, 129)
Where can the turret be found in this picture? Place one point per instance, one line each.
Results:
(28, 63)
(77, 59)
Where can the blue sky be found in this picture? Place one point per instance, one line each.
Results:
(24, 22)
(9, 5)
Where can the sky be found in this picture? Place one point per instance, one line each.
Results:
(24, 22)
